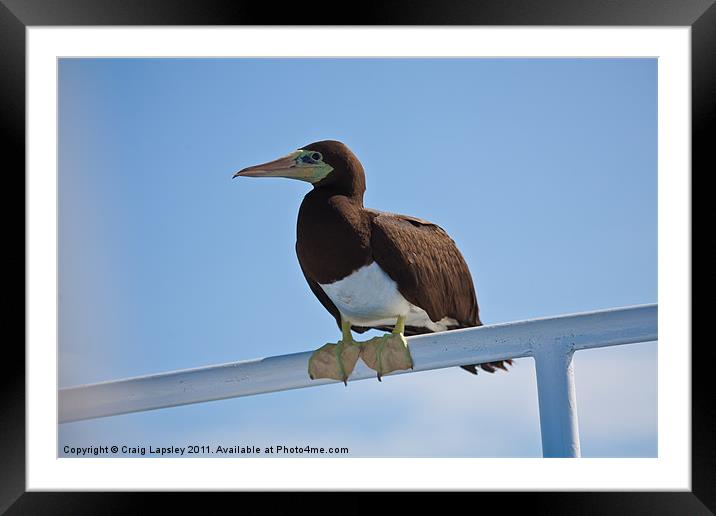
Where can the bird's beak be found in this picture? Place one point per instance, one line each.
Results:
(282, 167)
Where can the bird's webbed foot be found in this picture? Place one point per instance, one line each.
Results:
(387, 353)
(335, 361)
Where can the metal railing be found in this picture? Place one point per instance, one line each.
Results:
(551, 341)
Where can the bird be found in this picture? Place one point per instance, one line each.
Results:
(371, 269)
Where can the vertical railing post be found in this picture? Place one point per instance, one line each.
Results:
(557, 400)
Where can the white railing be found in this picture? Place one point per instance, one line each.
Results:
(551, 341)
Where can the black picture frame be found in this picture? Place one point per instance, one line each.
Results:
(17, 15)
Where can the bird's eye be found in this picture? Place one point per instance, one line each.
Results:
(316, 156)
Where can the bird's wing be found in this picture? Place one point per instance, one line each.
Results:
(427, 266)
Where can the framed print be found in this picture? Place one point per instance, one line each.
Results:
(495, 241)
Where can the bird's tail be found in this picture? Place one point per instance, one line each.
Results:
(490, 367)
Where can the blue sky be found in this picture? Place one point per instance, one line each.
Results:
(544, 171)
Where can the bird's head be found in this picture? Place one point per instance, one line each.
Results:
(327, 163)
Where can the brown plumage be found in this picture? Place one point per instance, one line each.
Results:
(336, 236)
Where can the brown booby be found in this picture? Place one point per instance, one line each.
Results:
(371, 269)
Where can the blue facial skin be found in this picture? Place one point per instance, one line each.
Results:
(306, 158)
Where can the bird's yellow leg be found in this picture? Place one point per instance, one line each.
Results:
(388, 353)
(335, 361)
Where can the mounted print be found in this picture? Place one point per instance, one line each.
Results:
(411, 258)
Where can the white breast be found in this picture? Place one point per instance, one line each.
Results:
(369, 297)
